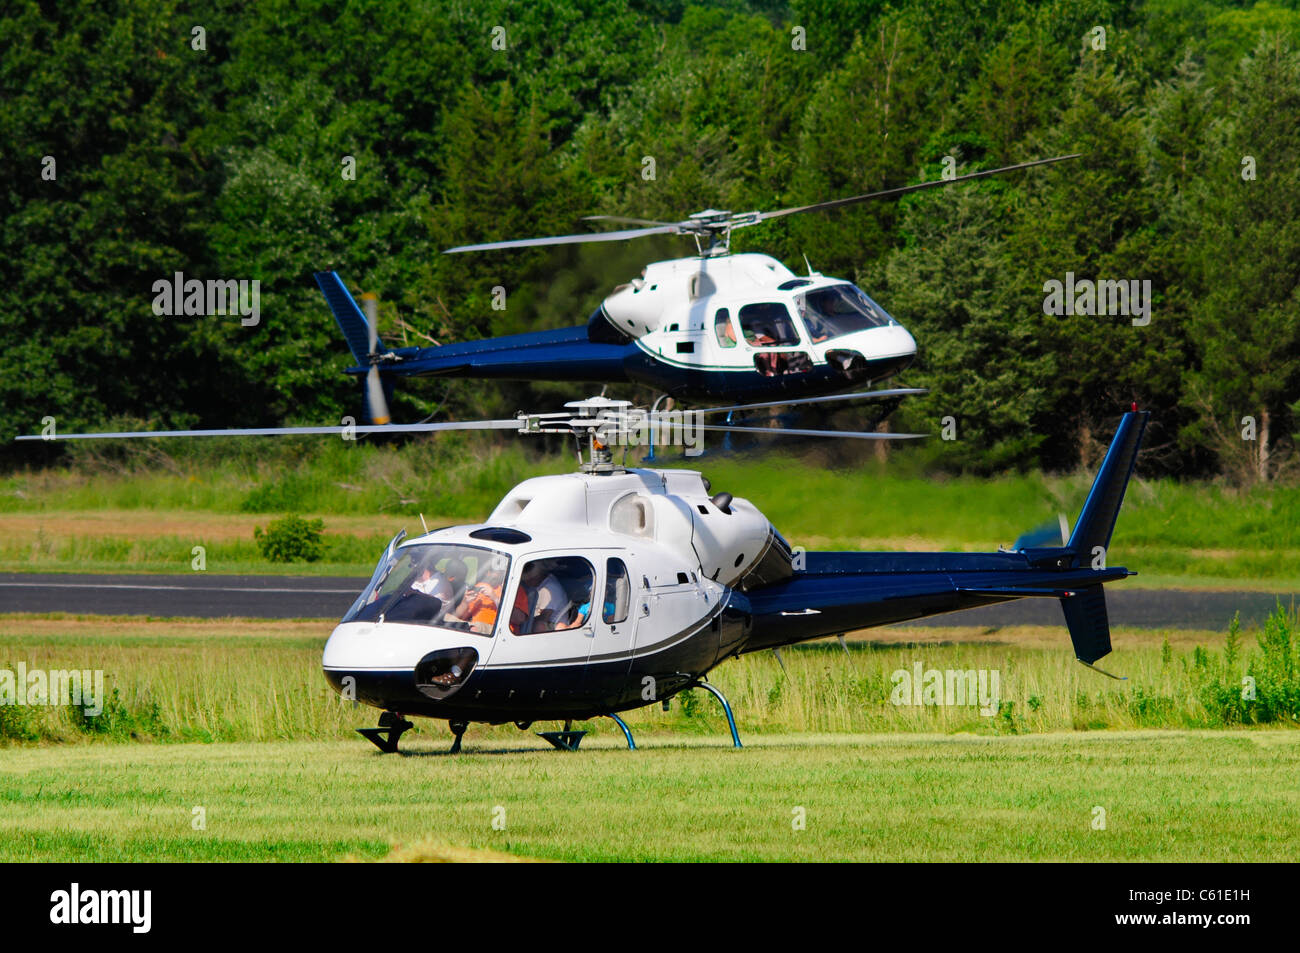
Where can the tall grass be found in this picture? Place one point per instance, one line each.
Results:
(259, 681)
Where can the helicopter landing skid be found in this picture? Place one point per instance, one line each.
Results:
(566, 740)
(458, 729)
(627, 732)
(726, 707)
(391, 727)
(563, 740)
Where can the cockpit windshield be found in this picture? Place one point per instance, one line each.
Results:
(447, 585)
(839, 309)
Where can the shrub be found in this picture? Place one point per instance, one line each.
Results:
(290, 539)
(1273, 692)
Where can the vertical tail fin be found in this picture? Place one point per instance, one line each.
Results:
(1097, 520)
(1088, 622)
(351, 321)
(1085, 611)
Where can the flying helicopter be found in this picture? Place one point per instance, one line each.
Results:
(593, 593)
(715, 326)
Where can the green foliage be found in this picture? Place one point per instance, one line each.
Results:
(291, 539)
(227, 162)
(119, 722)
(1269, 688)
(20, 723)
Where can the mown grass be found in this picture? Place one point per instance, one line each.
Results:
(227, 681)
(1191, 533)
(1166, 796)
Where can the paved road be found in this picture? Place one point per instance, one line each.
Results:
(200, 594)
(294, 597)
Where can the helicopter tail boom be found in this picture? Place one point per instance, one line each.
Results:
(841, 592)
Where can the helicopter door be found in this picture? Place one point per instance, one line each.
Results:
(614, 623)
(770, 336)
(549, 635)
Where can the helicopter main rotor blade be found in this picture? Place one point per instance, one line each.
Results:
(783, 432)
(568, 239)
(904, 190)
(512, 424)
(861, 395)
(625, 220)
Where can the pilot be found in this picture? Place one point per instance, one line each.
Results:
(445, 585)
(818, 330)
(433, 583)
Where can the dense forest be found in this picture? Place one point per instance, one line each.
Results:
(269, 140)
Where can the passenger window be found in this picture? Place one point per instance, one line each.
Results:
(768, 325)
(776, 363)
(552, 595)
(723, 329)
(618, 589)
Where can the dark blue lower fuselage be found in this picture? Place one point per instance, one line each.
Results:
(568, 354)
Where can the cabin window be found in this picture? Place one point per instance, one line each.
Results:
(777, 363)
(633, 515)
(768, 325)
(723, 329)
(450, 586)
(618, 591)
(553, 595)
(839, 309)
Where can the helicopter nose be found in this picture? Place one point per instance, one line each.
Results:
(896, 341)
(875, 354)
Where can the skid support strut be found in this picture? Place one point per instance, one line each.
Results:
(726, 707)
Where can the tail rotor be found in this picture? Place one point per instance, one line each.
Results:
(376, 400)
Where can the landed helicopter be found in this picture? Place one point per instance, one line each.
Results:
(716, 326)
(597, 592)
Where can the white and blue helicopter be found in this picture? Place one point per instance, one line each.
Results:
(714, 327)
(612, 588)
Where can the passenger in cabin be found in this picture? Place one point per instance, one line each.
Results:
(551, 604)
(520, 612)
(581, 611)
(541, 602)
(481, 602)
(455, 572)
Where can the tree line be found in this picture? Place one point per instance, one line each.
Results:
(265, 141)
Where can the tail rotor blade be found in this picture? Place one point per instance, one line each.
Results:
(376, 403)
(1051, 533)
(370, 304)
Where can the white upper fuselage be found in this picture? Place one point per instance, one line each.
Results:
(679, 311)
(681, 553)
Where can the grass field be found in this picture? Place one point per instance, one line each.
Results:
(1168, 796)
(146, 513)
(223, 742)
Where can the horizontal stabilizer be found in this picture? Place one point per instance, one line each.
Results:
(1089, 625)
(1017, 592)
